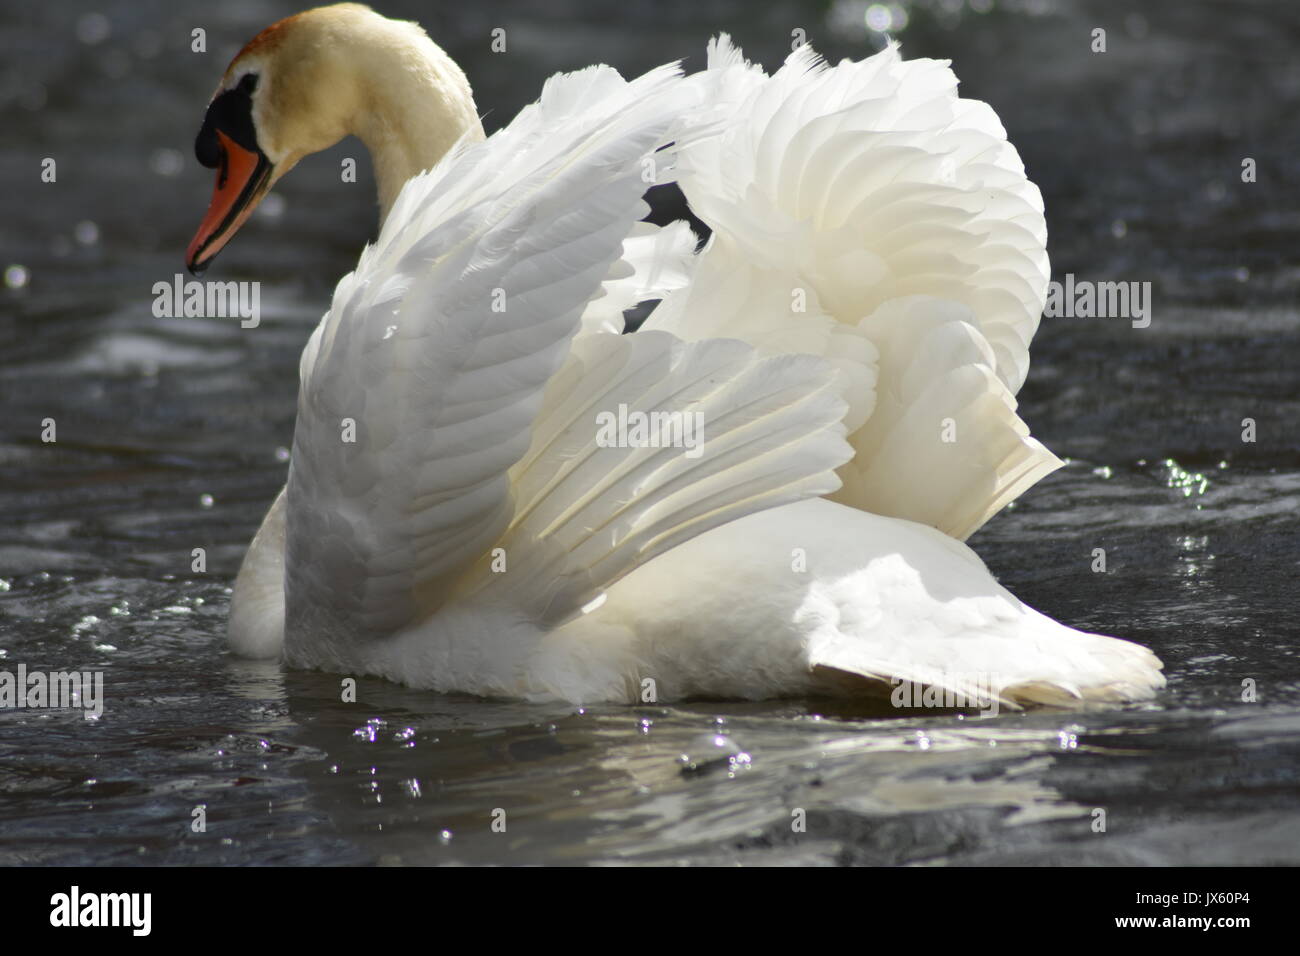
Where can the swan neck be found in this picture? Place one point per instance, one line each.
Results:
(416, 105)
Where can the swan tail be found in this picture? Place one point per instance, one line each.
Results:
(644, 442)
(820, 599)
(919, 608)
(1042, 664)
(1014, 658)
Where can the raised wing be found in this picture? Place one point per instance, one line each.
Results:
(644, 442)
(421, 384)
(846, 201)
(440, 424)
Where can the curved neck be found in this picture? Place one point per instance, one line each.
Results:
(415, 104)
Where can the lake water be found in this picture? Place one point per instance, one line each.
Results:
(172, 436)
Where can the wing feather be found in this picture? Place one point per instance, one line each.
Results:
(857, 190)
(421, 385)
(589, 511)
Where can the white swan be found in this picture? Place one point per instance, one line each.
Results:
(476, 533)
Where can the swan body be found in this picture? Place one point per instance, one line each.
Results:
(752, 628)
(847, 346)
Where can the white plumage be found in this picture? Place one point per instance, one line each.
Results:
(866, 213)
(856, 329)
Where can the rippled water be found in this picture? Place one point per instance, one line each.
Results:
(171, 436)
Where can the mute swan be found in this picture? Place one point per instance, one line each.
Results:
(849, 344)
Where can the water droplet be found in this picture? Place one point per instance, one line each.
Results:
(86, 233)
(206, 501)
(167, 162)
(93, 28)
(16, 277)
(272, 206)
(712, 752)
(282, 454)
(879, 18)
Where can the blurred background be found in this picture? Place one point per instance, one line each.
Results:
(173, 434)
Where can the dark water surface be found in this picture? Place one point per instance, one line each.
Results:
(172, 436)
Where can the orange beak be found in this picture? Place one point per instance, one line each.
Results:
(243, 178)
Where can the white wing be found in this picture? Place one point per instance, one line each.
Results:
(725, 433)
(655, 262)
(420, 386)
(840, 195)
(439, 357)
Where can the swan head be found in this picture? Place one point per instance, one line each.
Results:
(303, 84)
